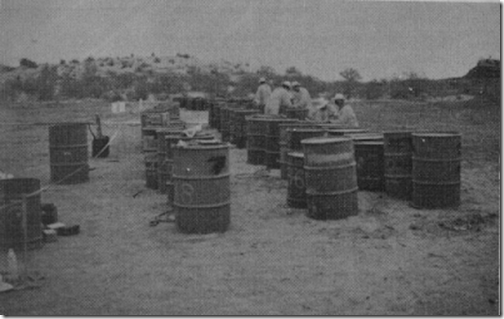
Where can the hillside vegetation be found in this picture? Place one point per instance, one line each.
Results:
(134, 78)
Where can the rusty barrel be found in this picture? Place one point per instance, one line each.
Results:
(256, 139)
(296, 113)
(331, 178)
(436, 169)
(296, 189)
(272, 158)
(397, 148)
(239, 127)
(68, 153)
(370, 165)
(202, 187)
(12, 192)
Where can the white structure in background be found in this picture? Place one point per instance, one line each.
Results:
(118, 107)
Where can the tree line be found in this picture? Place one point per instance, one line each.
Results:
(52, 84)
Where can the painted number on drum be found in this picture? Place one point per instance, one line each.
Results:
(297, 179)
(186, 192)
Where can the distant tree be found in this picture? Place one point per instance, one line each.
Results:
(62, 62)
(266, 71)
(75, 61)
(351, 77)
(28, 63)
(89, 59)
(157, 60)
(292, 71)
(46, 83)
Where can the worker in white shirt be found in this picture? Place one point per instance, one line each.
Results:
(262, 95)
(301, 97)
(344, 113)
(279, 99)
(321, 111)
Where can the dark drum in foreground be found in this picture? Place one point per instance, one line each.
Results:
(331, 178)
(202, 192)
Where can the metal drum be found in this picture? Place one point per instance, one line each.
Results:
(151, 169)
(365, 137)
(239, 127)
(272, 159)
(342, 131)
(149, 139)
(370, 167)
(397, 149)
(331, 178)
(11, 207)
(202, 187)
(167, 141)
(68, 153)
(296, 190)
(256, 139)
(436, 169)
(296, 113)
(225, 124)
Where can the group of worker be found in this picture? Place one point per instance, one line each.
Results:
(293, 95)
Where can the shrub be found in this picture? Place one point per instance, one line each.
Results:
(28, 63)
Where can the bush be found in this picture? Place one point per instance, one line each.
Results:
(28, 63)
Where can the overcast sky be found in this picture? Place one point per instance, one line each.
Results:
(319, 37)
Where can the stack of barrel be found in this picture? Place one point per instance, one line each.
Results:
(202, 186)
(263, 140)
(163, 116)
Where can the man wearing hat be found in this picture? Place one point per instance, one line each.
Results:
(262, 95)
(301, 97)
(344, 113)
(279, 99)
(322, 111)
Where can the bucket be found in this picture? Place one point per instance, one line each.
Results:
(11, 226)
(68, 153)
(331, 178)
(202, 188)
(436, 169)
(370, 166)
(296, 190)
(100, 147)
(397, 148)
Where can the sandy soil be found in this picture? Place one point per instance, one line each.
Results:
(391, 259)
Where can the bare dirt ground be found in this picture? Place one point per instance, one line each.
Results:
(391, 259)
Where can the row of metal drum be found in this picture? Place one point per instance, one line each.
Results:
(192, 172)
(230, 118)
(326, 172)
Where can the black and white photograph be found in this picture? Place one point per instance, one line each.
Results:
(250, 158)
